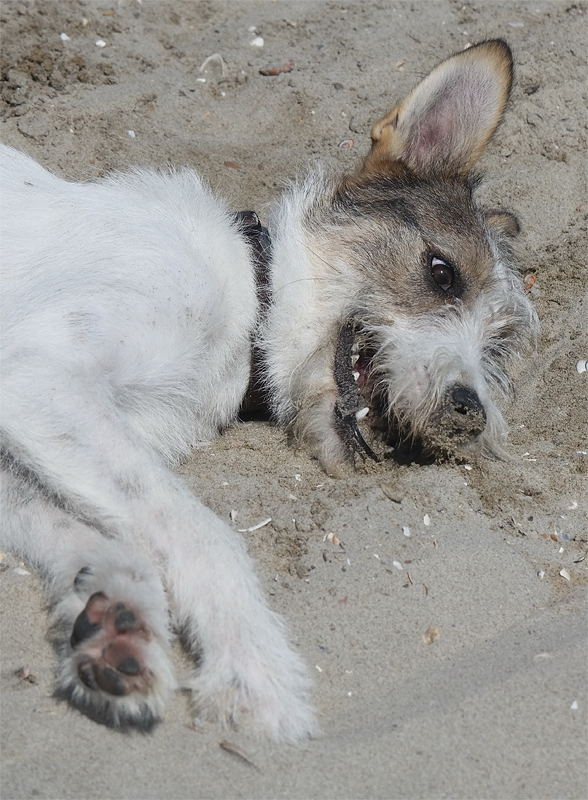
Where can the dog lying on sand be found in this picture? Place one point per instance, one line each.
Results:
(132, 320)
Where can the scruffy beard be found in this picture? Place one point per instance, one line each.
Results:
(396, 382)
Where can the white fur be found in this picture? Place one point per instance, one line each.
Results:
(127, 308)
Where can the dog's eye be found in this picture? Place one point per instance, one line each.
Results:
(442, 273)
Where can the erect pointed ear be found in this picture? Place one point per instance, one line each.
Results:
(445, 122)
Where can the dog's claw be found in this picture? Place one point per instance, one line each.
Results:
(125, 619)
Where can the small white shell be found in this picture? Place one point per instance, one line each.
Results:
(256, 527)
(582, 365)
(565, 574)
(431, 634)
(257, 42)
(362, 413)
(100, 43)
(64, 37)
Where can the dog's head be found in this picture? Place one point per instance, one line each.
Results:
(395, 302)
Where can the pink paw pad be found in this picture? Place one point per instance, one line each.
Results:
(108, 639)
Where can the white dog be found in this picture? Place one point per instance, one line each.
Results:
(130, 312)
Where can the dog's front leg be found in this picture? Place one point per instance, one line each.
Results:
(109, 610)
(81, 449)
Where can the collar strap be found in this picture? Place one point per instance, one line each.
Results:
(261, 250)
(260, 244)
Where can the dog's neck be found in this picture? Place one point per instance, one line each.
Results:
(255, 401)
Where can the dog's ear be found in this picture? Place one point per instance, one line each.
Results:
(503, 223)
(445, 122)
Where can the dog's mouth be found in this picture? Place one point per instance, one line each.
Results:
(371, 429)
(359, 410)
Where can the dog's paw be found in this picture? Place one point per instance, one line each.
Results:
(116, 670)
(274, 703)
(108, 640)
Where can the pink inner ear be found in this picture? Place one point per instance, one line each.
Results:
(433, 139)
(450, 130)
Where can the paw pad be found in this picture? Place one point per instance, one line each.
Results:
(108, 639)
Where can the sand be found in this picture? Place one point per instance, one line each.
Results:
(450, 663)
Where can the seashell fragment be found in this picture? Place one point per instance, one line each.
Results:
(431, 634)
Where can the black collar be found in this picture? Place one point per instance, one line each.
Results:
(255, 401)
(261, 251)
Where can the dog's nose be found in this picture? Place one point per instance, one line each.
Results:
(465, 401)
(464, 417)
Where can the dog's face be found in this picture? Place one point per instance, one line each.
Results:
(406, 303)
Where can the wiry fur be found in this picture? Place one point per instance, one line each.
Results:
(129, 306)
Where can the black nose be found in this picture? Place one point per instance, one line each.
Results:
(463, 417)
(465, 401)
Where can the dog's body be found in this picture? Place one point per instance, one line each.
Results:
(129, 308)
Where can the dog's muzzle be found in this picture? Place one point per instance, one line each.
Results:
(458, 421)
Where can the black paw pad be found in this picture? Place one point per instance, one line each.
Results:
(83, 629)
(86, 675)
(111, 682)
(124, 618)
(129, 666)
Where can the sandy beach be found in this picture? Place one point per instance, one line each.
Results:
(444, 618)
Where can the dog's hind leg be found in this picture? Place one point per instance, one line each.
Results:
(80, 447)
(109, 608)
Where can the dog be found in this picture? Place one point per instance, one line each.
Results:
(136, 312)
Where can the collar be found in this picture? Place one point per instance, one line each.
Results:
(255, 400)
